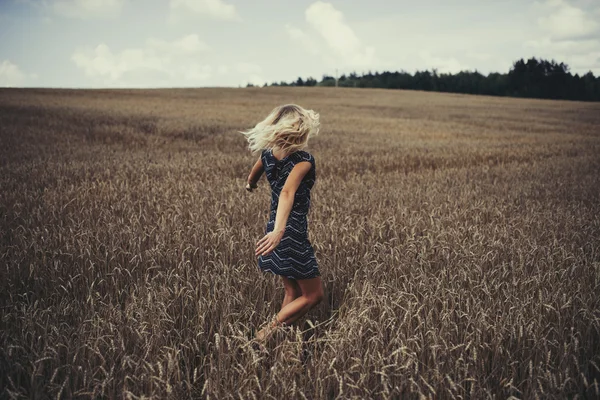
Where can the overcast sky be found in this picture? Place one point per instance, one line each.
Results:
(181, 43)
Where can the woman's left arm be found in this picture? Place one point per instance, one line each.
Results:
(284, 207)
(255, 174)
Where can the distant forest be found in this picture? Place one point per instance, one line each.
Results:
(532, 78)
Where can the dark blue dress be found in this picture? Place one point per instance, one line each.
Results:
(294, 256)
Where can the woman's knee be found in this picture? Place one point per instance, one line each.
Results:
(316, 297)
(291, 288)
(292, 292)
(312, 290)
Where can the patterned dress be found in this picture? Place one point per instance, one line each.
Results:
(294, 256)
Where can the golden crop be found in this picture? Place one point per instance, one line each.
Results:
(458, 238)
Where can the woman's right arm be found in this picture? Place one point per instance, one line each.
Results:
(255, 174)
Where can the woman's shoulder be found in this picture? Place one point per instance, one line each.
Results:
(265, 155)
(303, 155)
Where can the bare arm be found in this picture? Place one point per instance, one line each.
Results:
(284, 207)
(255, 174)
(288, 192)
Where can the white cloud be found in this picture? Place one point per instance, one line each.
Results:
(251, 73)
(254, 79)
(12, 76)
(216, 9)
(248, 68)
(564, 46)
(563, 21)
(567, 34)
(158, 63)
(330, 24)
(342, 47)
(189, 44)
(586, 62)
(87, 8)
(584, 55)
(309, 44)
(442, 64)
(480, 56)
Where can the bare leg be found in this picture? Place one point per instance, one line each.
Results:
(292, 291)
(312, 294)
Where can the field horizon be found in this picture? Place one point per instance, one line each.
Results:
(457, 236)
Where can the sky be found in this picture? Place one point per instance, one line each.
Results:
(198, 43)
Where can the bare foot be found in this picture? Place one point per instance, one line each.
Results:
(267, 331)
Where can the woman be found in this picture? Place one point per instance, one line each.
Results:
(285, 249)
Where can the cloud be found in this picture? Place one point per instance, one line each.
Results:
(161, 63)
(12, 76)
(567, 34)
(480, 56)
(341, 46)
(85, 9)
(564, 46)
(251, 73)
(216, 9)
(248, 68)
(190, 44)
(442, 64)
(330, 24)
(583, 55)
(222, 70)
(307, 42)
(587, 62)
(563, 21)
(158, 63)
(76, 9)
(254, 79)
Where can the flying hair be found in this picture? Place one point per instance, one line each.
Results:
(287, 128)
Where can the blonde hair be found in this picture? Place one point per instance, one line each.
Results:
(286, 128)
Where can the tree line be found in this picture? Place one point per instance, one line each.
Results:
(532, 78)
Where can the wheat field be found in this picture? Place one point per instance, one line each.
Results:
(458, 239)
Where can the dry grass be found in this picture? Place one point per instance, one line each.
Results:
(458, 238)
